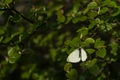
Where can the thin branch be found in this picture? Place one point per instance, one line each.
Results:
(23, 16)
(12, 9)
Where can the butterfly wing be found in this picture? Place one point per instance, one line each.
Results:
(83, 55)
(74, 56)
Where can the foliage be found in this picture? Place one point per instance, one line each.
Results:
(36, 36)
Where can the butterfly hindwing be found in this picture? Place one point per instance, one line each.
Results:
(74, 56)
(83, 55)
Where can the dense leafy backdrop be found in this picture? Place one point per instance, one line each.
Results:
(36, 36)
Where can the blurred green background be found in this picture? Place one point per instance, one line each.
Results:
(36, 37)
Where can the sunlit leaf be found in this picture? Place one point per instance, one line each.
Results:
(90, 40)
(83, 31)
(109, 3)
(92, 5)
(13, 54)
(104, 10)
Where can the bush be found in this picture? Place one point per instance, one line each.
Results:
(36, 38)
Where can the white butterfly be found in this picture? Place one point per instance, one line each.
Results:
(77, 55)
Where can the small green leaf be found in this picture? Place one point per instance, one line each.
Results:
(12, 59)
(1, 38)
(75, 42)
(92, 5)
(90, 40)
(72, 75)
(92, 14)
(108, 27)
(68, 67)
(69, 18)
(79, 18)
(53, 54)
(13, 54)
(83, 31)
(109, 3)
(7, 39)
(60, 16)
(91, 63)
(114, 48)
(90, 51)
(116, 13)
(104, 10)
(99, 43)
(101, 53)
(86, 11)
(94, 22)
(83, 18)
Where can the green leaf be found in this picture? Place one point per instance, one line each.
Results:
(12, 60)
(82, 18)
(99, 43)
(106, 27)
(116, 13)
(53, 54)
(92, 5)
(72, 75)
(90, 51)
(6, 39)
(75, 42)
(13, 54)
(93, 14)
(94, 22)
(109, 3)
(104, 10)
(86, 11)
(83, 31)
(79, 18)
(1, 38)
(114, 48)
(69, 18)
(89, 40)
(91, 63)
(101, 53)
(60, 16)
(67, 67)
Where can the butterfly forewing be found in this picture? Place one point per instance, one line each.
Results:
(83, 55)
(74, 56)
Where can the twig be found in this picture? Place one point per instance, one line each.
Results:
(14, 10)
(23, 16)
